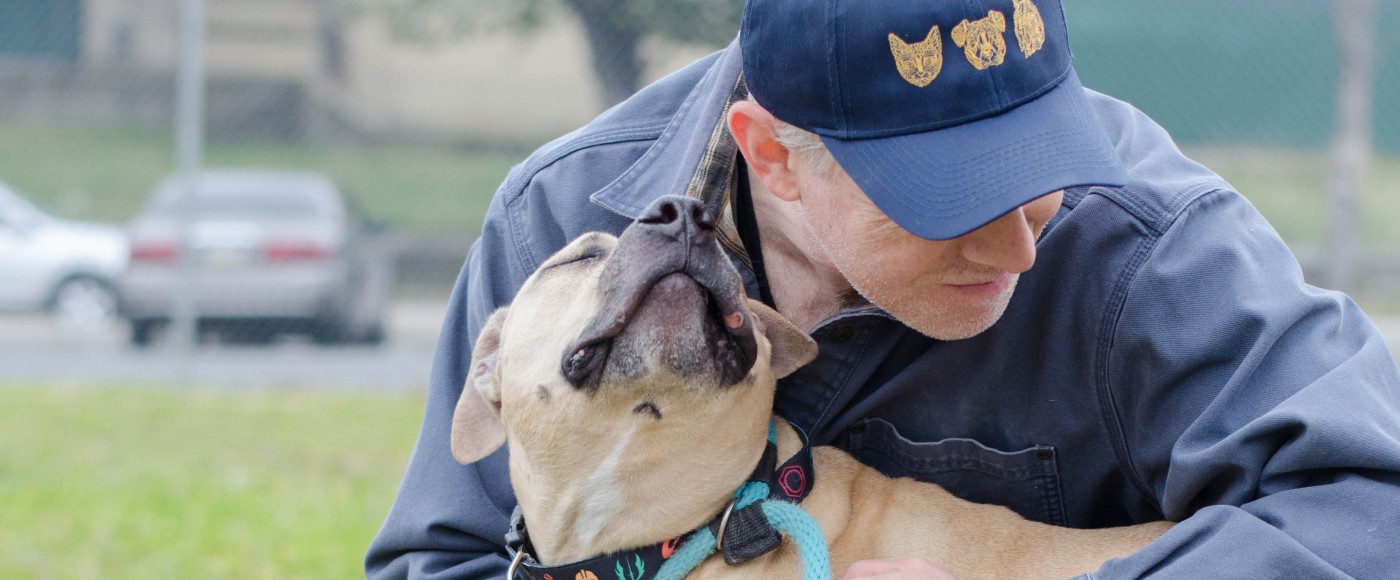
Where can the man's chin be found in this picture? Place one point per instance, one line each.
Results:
(957, 331)
(944, 323)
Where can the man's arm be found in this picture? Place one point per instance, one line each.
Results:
(448, 519)
(1266, 410)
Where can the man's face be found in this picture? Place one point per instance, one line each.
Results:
(947, 290)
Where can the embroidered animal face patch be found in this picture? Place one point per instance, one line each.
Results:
(982, 40)
(1030, 28)
(920, 62)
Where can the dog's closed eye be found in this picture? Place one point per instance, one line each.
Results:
(582, 256)
(648, 408)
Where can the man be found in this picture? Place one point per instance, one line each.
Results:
(898, 170)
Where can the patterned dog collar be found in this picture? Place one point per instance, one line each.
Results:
(743, 533)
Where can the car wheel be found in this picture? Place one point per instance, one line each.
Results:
(329, 330)
(142, 331)
(84, 303)
(251, 333)
(374, 336)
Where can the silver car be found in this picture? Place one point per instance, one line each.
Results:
(67, 268)
(270, 252)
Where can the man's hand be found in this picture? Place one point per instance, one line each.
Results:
(897, 569)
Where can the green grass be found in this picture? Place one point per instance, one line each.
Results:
(105, 173)
(1289, 188)
(133, 482)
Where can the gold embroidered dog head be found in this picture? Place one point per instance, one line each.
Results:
(920, 62)
(1030, 28)
(982, 40)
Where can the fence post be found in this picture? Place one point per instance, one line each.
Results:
(189, 150)
(1354, 26)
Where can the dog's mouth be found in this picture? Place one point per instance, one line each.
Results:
(671, 288)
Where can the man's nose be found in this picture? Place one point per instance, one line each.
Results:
(1007, 243)
(683, 219)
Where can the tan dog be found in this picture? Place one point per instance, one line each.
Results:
(633, 383)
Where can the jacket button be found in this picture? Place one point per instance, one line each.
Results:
(841, 334)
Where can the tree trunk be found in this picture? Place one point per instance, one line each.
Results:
(1351, 145)
(613, 38)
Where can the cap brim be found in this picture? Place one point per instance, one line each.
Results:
(943, 184)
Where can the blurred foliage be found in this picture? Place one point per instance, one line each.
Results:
(139, 482)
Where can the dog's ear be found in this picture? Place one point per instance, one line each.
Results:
(476, 424)
(792, 348)
(960, 33)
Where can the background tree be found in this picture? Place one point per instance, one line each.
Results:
(615, 28)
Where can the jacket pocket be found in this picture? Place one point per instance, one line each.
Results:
(1027, 481)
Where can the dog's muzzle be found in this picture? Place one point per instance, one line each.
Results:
(674, 235)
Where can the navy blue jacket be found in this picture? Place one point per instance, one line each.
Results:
(1163, 358)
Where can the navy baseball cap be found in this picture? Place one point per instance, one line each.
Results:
(947, 113)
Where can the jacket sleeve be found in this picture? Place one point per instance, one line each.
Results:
(448, 519)
(1261, 413)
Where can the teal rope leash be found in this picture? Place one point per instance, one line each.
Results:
(787, 518)
(799, 525)
(697, 547)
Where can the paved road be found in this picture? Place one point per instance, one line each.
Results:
(32, 349)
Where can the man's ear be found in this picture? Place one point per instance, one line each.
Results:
(476, 424)
(792, 348)
(754, 129)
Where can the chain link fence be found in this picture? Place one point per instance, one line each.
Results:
(1249, 73)
(351, 146)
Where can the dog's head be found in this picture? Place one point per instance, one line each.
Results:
(620, 357)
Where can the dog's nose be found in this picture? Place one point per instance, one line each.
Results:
(680, 218)
(673, 235)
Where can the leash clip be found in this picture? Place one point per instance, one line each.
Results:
(515, 565)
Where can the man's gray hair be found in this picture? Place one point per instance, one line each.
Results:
(805, 144)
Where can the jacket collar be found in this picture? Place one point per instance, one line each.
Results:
(694, 156)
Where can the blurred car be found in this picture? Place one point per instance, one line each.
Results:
(64, 267)
(271, 252)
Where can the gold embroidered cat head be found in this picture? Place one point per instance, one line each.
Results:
(982, 40)
(1030, 27)
(920, 62)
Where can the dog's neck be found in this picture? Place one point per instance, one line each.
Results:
(571, 518)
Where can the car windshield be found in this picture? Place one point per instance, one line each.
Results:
(257, 201)
(18, 212)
